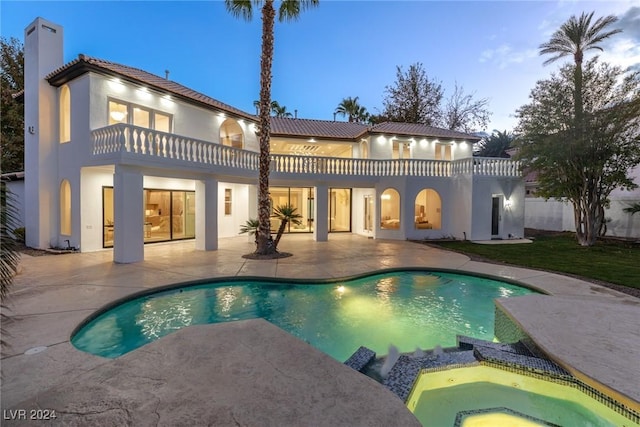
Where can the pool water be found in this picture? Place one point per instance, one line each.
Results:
(408, 309)
(478, 396)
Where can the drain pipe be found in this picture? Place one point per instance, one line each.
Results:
(465, 235)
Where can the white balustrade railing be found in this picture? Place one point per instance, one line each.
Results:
(151, 143)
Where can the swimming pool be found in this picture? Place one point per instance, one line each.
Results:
(408, 309)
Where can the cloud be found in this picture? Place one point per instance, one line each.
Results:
(623, 49)
(629, 23)
(505, 55)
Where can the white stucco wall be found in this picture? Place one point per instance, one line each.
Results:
(511, 217)
(188, 120)
(556, 215)
(93, 179)
(447, 201)
(229, 225)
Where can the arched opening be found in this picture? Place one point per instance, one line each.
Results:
(65, 114)
(65, 208)
(231, 134)
(390, 209)
(428, 210)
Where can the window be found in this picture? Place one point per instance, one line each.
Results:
(443, 152)
(401, 150)
(141, 117)
(65, 114)
(123, 112)
(231, 134)
(428, 210)
(65, 208)
(117, 113)
(390, 209)
(162, 122)
(227, 201)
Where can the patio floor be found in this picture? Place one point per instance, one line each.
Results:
(53, 294)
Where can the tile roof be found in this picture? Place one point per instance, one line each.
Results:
(416, 129)
(317, 128)
(85, 63)
(279, 126)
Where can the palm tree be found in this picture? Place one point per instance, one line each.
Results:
(575, 37)
(351, 108)
(279, 110)
(286, 214)
(633, 209)
(9, 255)
(496, 144)
(251, 227)
(289, 10)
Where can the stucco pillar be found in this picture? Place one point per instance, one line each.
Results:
(321, 213)
(43, 54)
(207, 214)
(128, 219)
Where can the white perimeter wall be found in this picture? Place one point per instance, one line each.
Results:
(555, 215)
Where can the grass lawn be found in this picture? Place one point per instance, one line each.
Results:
(609, 261)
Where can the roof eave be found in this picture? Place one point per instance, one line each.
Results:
(74, 71)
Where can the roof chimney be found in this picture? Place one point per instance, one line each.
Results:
(166, 74)
(295, 114)
(334, 117)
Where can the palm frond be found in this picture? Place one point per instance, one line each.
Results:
(240, 8)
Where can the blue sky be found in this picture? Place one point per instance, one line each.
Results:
(339, 49)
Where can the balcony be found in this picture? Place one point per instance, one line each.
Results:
(144, 143)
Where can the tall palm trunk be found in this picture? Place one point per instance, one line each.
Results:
(264, 228)
(577, 94)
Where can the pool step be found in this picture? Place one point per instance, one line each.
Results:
(361, 358)
(512, 360)
(404, 373)
(468, 343)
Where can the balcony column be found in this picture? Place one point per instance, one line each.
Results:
(207, 214)
(321, 213)
(128, 219)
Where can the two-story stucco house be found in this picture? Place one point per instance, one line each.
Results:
(118, 157)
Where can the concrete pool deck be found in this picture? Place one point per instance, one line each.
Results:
(53, 294)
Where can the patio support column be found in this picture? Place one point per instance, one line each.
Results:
(128, 220)
(207, 214)
(321, 213)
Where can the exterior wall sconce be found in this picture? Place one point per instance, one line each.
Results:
(507, 204)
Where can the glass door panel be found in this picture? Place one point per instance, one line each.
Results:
(107, 217)
(368, 213)
(339, 209)
(157, 220)
(190, 215)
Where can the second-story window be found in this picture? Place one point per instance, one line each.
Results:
(124, 112)
(118, 113)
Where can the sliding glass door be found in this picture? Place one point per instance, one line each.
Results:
(168, 215)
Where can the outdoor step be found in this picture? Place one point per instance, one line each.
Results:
(468, 343)
(360, 359)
